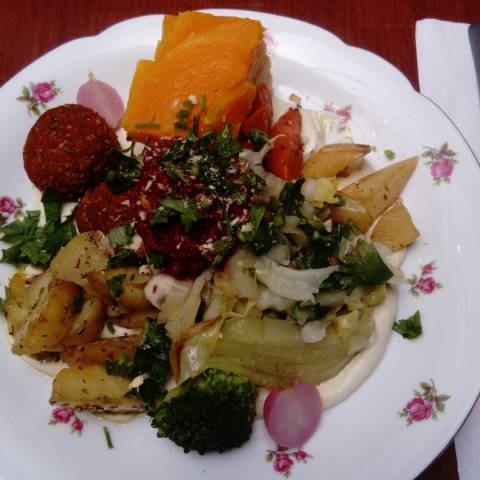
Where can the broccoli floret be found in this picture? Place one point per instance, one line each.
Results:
(212, 412)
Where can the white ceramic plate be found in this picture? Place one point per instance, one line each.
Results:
(363, 437)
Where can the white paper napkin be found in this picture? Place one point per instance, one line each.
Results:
(447, 76)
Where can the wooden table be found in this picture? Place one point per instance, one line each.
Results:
(29, 28)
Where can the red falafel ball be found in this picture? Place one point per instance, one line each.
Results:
(67, 148)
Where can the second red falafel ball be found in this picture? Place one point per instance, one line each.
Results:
(67, 148)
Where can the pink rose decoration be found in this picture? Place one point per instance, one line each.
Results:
(427, 284)
(419, 409)
(442, 168)
(62, 414)
(428, 268)
(282, 463)
(7, 205)
(77, 425)
(43, 92)
(301, 456)
(344, 114)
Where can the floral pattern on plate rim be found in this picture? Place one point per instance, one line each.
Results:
(284, 459)
(67, 416)
(425, 283)
(37, 95)
(442, 163)
(425, 404)
(10, 208)
(345, 114)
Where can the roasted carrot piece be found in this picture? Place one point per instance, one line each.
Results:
(261, 114)
(285, 160)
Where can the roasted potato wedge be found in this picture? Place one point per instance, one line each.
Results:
(379, 190)
(91, 388)
(87, 252)
(99, 352)
(352, 210)
(395, 228)
(135, 319)
(49, 317)
(87, 323)
(333, 159)
(129, 286)
(17, 305)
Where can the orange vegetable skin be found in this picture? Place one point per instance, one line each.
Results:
(219, 63)
(285, 160)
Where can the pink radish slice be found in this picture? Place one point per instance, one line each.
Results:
(103, 99)
(292, 415)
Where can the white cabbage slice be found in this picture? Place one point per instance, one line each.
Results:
(298, 285)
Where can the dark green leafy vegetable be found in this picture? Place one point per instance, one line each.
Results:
(125, 257)
(122, 235)
(157, 259)
(211, 412)
(258, 138)
(123, 172)
(292, 198)
(35, 244)
(152, 360)
(115, 284)
(410, 327)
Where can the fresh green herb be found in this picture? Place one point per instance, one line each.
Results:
(186, 208)
(157, 259)
(410, 327)
(203, 103)
(292, 198)
(221, 248)
(303, 313)
(390, 154)
(146, 125)
(124, 256)
(123, 172)
(323, 246)
(364, 268)
(108, 438)
(35, 244)
(227, 146)
(258, 138)
(152, 360)
(173, 171)
(115, 284)
(119, 236)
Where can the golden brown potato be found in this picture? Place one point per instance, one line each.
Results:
(135, 319)
(123, 284)
(87, 323)
(91, 388)
(379, 190)
(395, 228)
(49, 318)
(87, 252)
(352, 210)
(99, 352)
(330, 160)
(16, 305)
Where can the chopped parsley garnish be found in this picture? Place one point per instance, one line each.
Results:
(125, 257)
(292, 198)
(365, 267)
(123, 172)
(258, 138)
(186, 208)
(119, 236)
(390, 154)
(115, 284)
(227, 146)
(35, 244)
(410, 327)
(151, 359)
(108, 438)
(157, 259)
